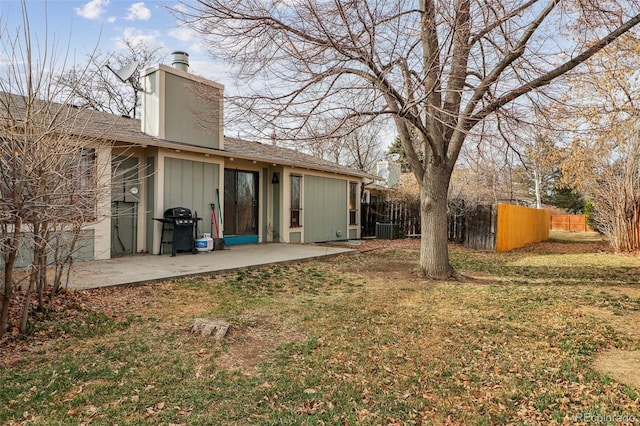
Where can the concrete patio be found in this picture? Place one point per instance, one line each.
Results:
(139, 269)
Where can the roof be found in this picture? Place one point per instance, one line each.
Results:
(279, 155)
(109, 127)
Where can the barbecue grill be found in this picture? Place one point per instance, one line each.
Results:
(182, 225)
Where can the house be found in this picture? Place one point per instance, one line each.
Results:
(178, 156)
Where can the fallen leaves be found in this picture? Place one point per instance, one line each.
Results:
(309, 407)
(155, 409)
(375, 352)
(160, 406)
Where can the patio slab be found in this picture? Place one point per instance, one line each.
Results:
(140, 269)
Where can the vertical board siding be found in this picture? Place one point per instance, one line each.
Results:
(151, 195)
(518, 226)
(190, 118)
(191, 184)
(325, 209)
(84, 249)
(570, 222)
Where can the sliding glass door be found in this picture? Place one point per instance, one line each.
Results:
(240, 203)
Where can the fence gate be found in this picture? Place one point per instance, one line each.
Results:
(481, 228)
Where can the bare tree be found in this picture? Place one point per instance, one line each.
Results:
(487, 173)
(48, 173)
(436, 68)
(541, 161)
(609, 174)
(362, 147)
(359, 147)
(604, 155)
(93, 85)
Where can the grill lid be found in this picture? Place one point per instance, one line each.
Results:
(177, 212)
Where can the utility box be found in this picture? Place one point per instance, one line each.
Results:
(387, 231)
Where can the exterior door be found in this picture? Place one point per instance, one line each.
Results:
(240, 206)
(124, 205)
(325, 209)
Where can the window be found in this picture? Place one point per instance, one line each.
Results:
(87, 169)
(65, 185)
(353, 204)
(296, 206)
(81, 184)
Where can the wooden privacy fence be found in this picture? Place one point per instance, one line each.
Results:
(505, 227)
(480, 224)
(484, 227)
(518, 225)
(570, 222)
(404, 216)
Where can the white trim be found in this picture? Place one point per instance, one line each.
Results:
(102, 226)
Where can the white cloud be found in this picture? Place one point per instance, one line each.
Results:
(138, 12)
(111, 19)
(187, 35)
(139, 37)
(215, 71)
(196, 48)
(182, 33)
(93, 9)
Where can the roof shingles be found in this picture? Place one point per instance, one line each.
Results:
(96, 124)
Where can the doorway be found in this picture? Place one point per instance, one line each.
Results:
(240, 206)
(125, 196)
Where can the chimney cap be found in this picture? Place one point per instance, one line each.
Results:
(180, 60)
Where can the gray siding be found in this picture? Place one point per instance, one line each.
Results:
(191, 184)
(83, 251)
(151, 201)
(189, 118)
(325, 209)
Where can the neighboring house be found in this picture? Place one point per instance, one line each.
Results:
(379, 190)
(177, 156)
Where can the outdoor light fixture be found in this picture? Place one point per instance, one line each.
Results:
(275, 179)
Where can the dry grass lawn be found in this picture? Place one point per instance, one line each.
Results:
(540, 335)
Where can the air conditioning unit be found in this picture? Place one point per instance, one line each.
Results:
(387, 231)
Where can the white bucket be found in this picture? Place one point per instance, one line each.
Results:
(204, 244)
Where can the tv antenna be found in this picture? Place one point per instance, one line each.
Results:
(126, 73)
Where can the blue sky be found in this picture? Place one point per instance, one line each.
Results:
(87, 24)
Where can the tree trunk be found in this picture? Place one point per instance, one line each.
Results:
(434, 253)
(537, 179)
(41, 283)
(27, 300)
(11, 253)
(8, 293)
